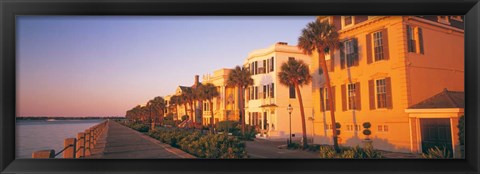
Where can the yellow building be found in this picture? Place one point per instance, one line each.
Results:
(267, 100)
(388, 66)
(225, 107)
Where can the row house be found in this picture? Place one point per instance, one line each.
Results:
(225, 106)
(267, 100)
(403, 74)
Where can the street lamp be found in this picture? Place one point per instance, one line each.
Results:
(290, 109)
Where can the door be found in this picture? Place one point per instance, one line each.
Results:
(436, 132)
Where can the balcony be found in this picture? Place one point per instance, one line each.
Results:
(268, 102)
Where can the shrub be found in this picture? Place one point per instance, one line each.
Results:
(349, 152)
(236, 129)
(437, 153)
(184, 117)
(137, 126)
(200, 145)
(367, 132)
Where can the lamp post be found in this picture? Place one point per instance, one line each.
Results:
(290, 109)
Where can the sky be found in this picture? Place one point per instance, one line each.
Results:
(105, 65)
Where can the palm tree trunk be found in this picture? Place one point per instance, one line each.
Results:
(321, 57)
(242, 111)
(302, 114)
(212, 120)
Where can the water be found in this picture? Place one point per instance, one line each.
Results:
(33, 135)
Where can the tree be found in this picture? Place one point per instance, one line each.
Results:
(208, 92)
(190, 96)
(295, 73)
(321, 37)
(241, 78)
(156, 105)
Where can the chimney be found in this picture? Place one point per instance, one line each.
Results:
(196, 81)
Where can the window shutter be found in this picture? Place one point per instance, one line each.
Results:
(332, 62)
(388, 84)
(272, 64)
(248, 94)
(358, 101)
(355, 51)
(267, 68)
(420, 40)
(344, 98)
(369, 48)
(273, 90)
(409, 44)
(333, 98)
(386, 50)
(322, 101)
(342, 55)
(371, 93)
(329, 65)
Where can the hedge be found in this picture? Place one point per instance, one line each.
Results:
(200, 145)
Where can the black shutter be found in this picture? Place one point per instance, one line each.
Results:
(342, 55)
(420, 40)
(369, 48)
(386, 50)
(355, 51)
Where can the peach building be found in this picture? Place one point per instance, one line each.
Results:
(267, 100)
(403, 74)
(225, 107)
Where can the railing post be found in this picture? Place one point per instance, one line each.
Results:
(80, 145)
(92, 138)
(70, 146)
(87, 143)
(44, 154)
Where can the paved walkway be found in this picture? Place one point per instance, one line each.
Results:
(120, 142)
(260, 148)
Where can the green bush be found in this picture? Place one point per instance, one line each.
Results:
(137, 126)
(200, 145)
(437, 153)
(236, 129)
(357, 152)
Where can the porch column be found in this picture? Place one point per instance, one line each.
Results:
(455, 142)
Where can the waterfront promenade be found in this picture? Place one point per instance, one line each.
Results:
(120, 142)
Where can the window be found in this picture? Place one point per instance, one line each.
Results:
(415, 39)
(267, 68)
(292, 91)
(457, 18)
(382, 128)
(326, 19)
(357, 127)
(256, 92)
(349, 52)
(256, 67)
(351, 96)
(381, 93)
(349, 127)
(378, 46)
(443, 19)
(347, 21)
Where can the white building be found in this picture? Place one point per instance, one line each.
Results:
(267, 100)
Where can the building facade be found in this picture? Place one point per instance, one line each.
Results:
(386, 65)
(267, 100)
(225, 106)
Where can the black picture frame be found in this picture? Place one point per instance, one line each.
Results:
(11, 8)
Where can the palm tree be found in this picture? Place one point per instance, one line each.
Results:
(295, 73)
(190, 99)
(174, 102)
(182, 100)
(321, 37)
(156, 105)
(208, 92)
(241, 78)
